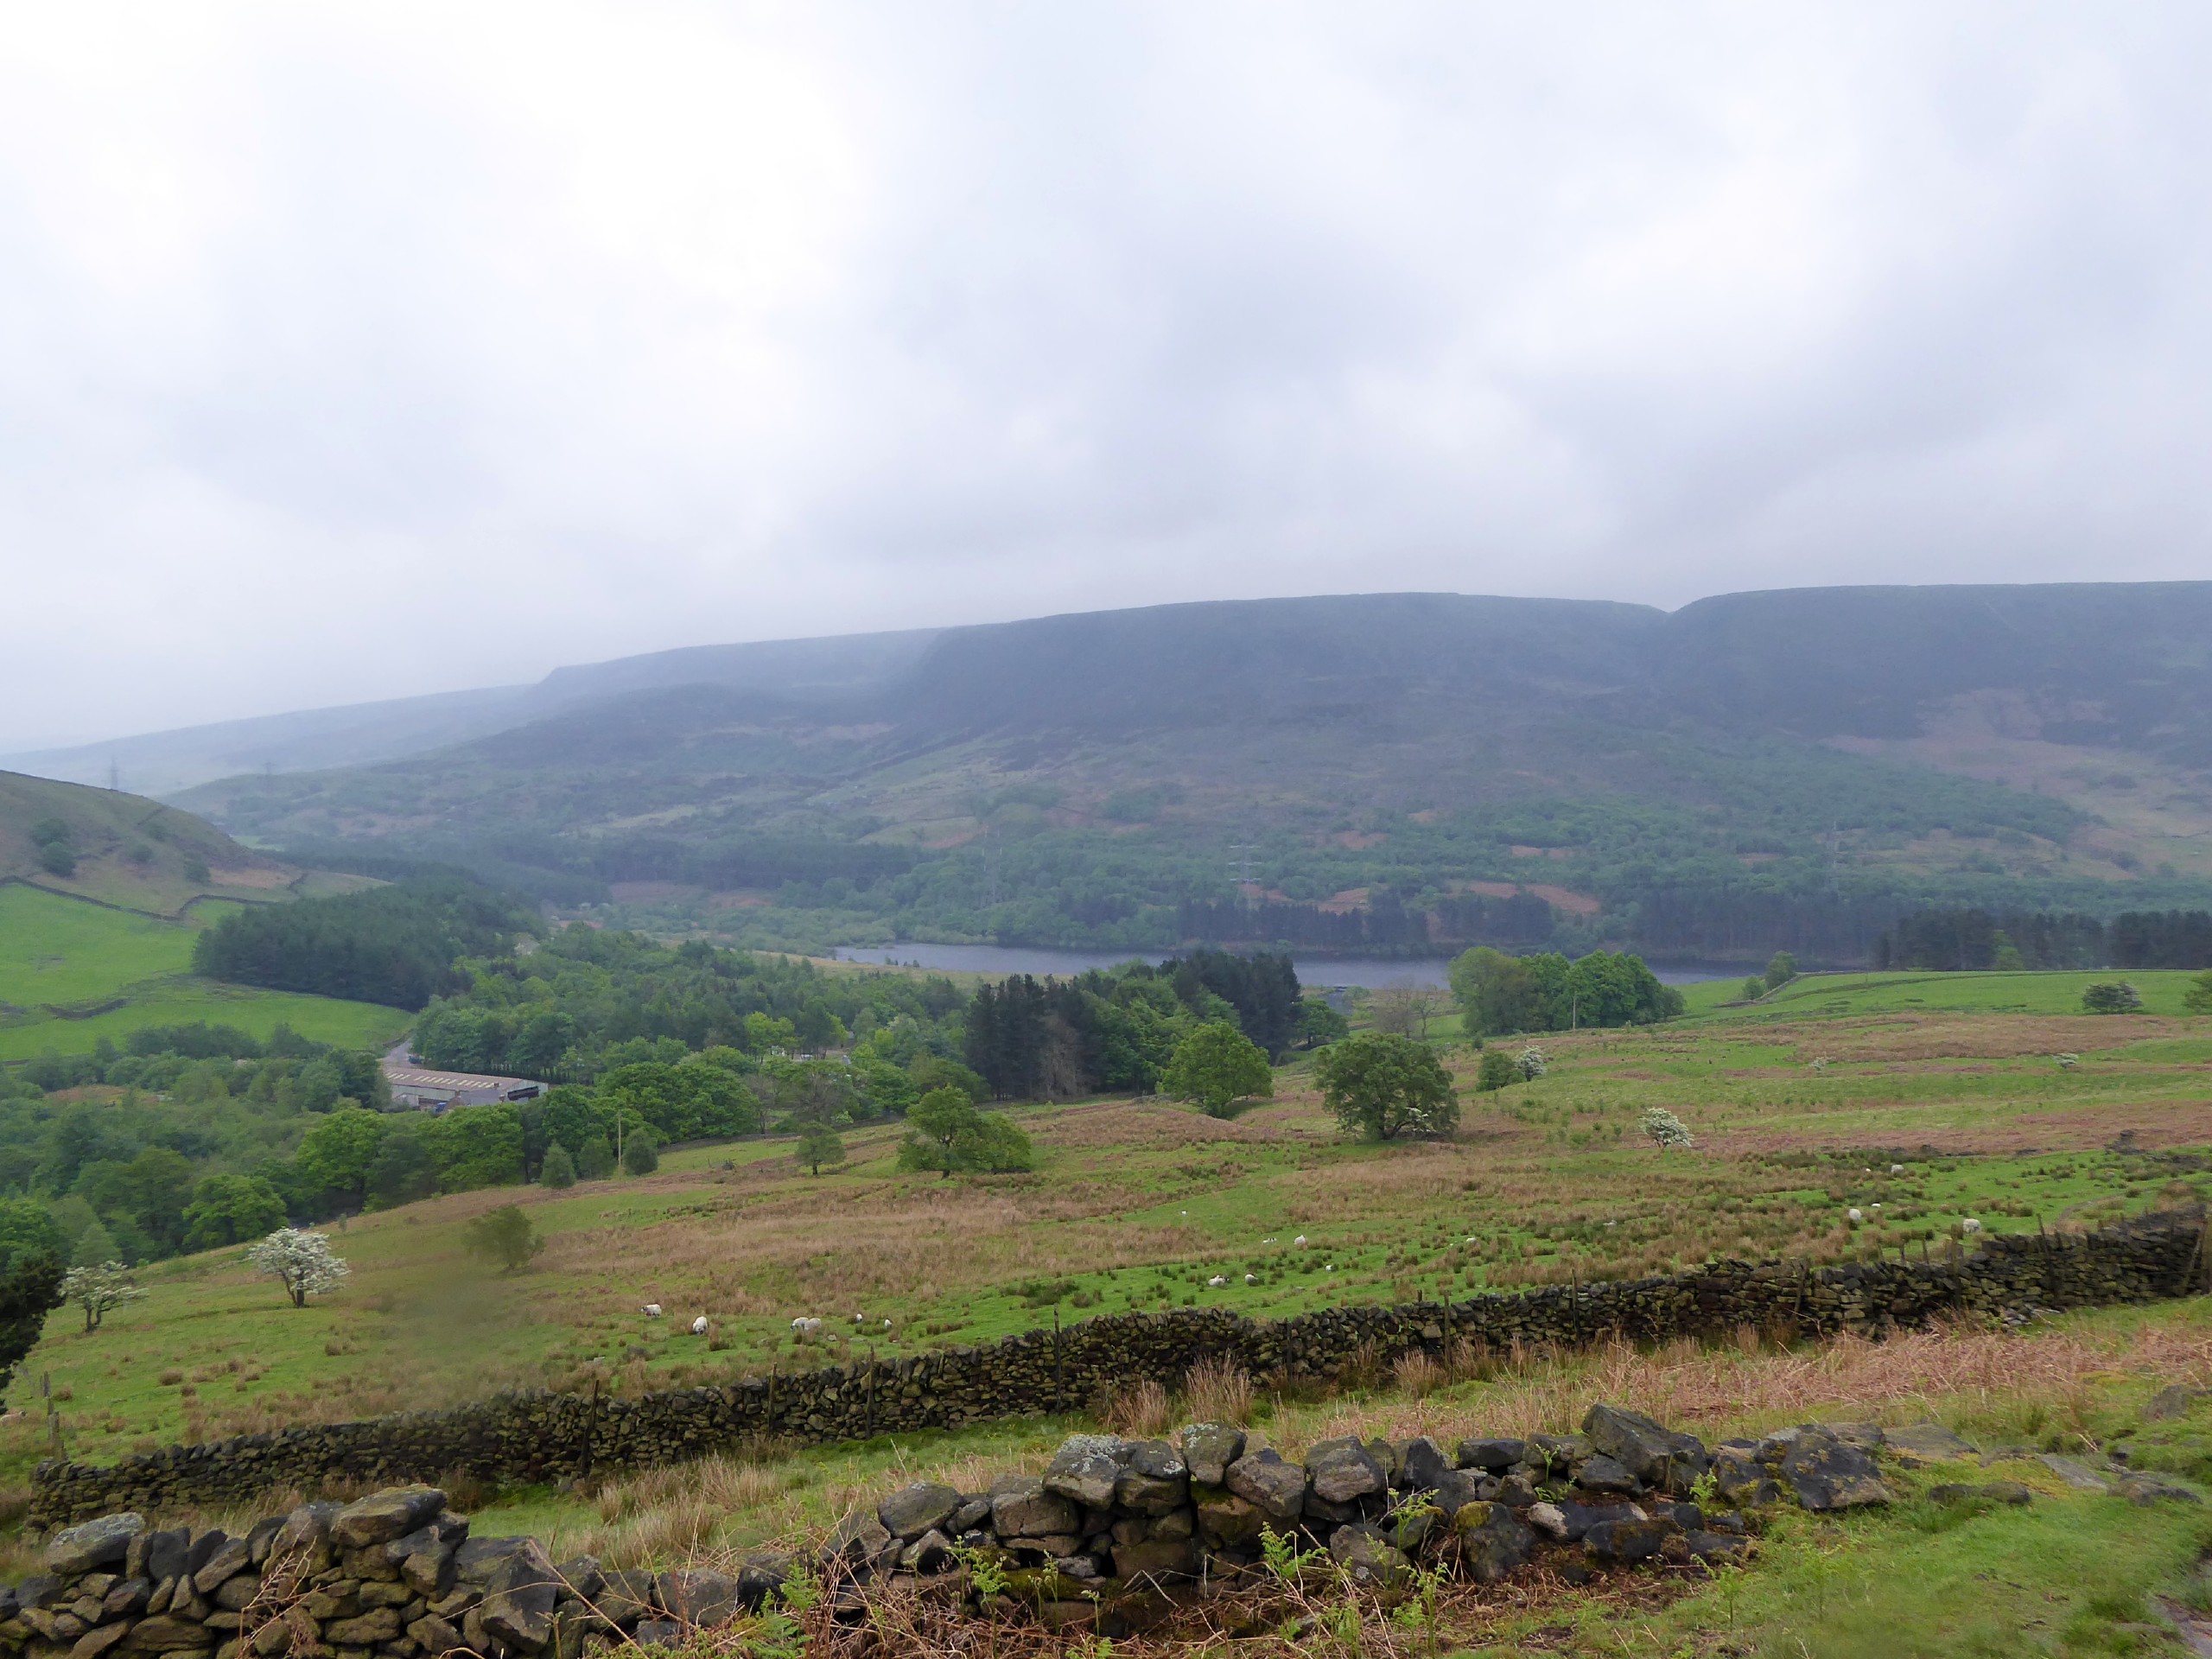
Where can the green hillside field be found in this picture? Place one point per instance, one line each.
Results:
(73, 972)
(1916, 1118)
(1815, 996)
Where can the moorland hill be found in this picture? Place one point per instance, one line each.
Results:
(1751, 770)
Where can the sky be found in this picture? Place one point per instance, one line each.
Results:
(350, 352)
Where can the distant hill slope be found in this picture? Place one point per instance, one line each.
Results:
(165, 763)
(126, 851)
(1371, 772)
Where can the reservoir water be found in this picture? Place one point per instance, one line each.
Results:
(1373, 973)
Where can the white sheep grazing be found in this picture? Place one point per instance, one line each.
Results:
(1215, 1282)
(1251, 1278)
(1897, 1169)
(699, 1326)
(650, 1310)
(1969, 1225)
(807, 1327)
(860, 1318)
(1299, 1241)
(1853, 1217)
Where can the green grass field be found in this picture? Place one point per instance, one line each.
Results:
(1138, 1203)
(1815, 995)
(62, 960)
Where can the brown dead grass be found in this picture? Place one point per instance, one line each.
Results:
(1138, 1124)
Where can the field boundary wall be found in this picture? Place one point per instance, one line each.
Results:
(536, 1435)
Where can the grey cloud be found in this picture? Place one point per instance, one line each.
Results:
(354, 354)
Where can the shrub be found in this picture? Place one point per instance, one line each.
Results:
(559, 1170)
(1667, 1131)
(2117, 997)
(1498, 1071)
(504, 1236)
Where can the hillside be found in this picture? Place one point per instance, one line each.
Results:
(1753, 771)
(126, 850)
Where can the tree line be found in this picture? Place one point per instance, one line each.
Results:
(1384, 922)
(1101, 1031)
(395, 945)
(1966, 937)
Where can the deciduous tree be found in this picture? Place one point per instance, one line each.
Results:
(1381, 1086)
(1216, 1067)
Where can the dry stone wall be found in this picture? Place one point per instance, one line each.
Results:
(1096, 1538)
(545, 1436)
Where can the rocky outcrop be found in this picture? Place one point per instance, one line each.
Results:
(545, 1437)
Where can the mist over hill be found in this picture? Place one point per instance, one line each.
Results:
(1383, 772)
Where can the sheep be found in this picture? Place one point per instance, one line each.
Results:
(650, 1310)
(1897, 1169)
(1251, 1278)
(1215, 1282)
(807, 1327)
(1853, 1217)
(1300, 1241)
(699, 1326)
(1970, 1225)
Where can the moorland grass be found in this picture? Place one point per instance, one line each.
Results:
(1139, 1204)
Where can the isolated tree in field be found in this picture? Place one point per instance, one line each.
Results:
(945, 1132)
(301, 1261)
(2197, 999)
(504, 1236)
(818, 1144)
(1754, 989)
(1498, 1071)
(1217, 1067)
(558, 1171)
(99, 1290)
(1780, 969)
(1381, 1086)
(639, 1155)
(2117, 997)
(1667, 1131)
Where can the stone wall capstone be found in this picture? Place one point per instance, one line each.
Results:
(540, 1435)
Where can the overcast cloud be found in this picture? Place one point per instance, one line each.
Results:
(349, 352)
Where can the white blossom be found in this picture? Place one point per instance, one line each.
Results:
(303, 1261)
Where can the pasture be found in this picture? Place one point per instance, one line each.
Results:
(72, 973)
(1143, 1204)
(1825, 995)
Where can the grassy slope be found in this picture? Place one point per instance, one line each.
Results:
(1824, 994)
(61, 953)
(131, 852)
(1141, 1197)
(1137, 1204)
